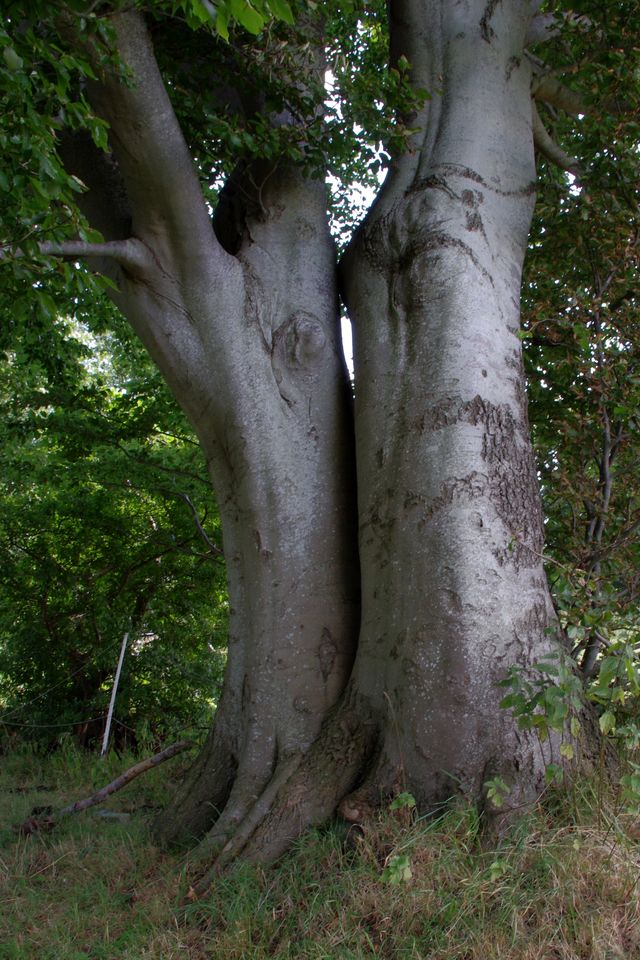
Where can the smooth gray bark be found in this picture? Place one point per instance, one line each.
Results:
(450, 523)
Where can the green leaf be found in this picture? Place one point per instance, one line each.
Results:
(222, 24)
(247, 15)
(404, 801)
(12, 59)
(497, 869)
(497, 791)
(553, 773)
(98, 130)
(202, 13)
(398, 870)
(607, 722)
(281, 10)
(47, 304)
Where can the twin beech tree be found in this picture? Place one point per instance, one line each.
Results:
(384, 557)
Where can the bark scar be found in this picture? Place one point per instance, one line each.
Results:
(486, 29)
(327, 652)
(264, 553)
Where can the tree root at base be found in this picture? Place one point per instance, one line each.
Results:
(304, 791)
(248, 825)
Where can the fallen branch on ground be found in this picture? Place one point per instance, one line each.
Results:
(33, 824)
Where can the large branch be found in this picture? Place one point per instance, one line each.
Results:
(157, 169)
(546, 145)
(412, 27)
(126, 777)
(542, 28)
(550, 90)
(33, 824)
(413, 31)
(131, 254)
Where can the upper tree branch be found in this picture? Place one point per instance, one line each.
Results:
(415, 33)
(550, 90)
(130, 254)
(213, 547)
(161, 183)
(542, 28)
(547, 146)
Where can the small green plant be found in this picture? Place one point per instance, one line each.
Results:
(497, 791)
(616, 693)
(550, 700)
(397, 869)
(497, 869)
(554, 773)
(404, 801)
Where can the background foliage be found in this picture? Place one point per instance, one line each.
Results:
(582, 355)
(106, 526)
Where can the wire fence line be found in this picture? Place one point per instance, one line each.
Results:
(72, 723)
(44, 693)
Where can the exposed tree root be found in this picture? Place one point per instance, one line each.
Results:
(359, 761)
(254, 817)
(304, 791)
(247, 793)
(202, 795)
(351, 768)
(333, 767)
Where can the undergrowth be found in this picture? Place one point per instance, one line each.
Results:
(564, 886)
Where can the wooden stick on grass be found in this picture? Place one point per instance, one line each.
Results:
(32, 824)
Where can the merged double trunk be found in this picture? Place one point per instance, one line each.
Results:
(447, 557)
(450, 526)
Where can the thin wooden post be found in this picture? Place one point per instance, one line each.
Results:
(114, 690)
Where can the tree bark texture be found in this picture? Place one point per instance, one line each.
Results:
(454, 591)
(448, 553)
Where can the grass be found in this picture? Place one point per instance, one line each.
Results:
(564, 887)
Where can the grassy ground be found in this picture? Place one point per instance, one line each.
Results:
(565, 886)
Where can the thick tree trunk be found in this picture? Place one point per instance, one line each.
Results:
(454, 591)
(248, 341)
(453, 587)
(282, 467)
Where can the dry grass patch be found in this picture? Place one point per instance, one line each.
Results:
(563, 887)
